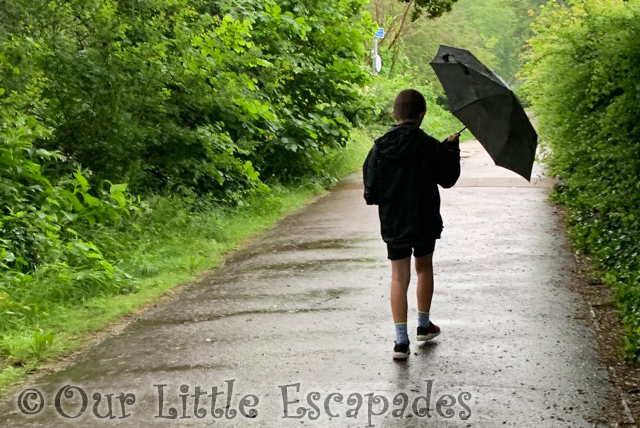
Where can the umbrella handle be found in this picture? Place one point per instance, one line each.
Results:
(461, 131)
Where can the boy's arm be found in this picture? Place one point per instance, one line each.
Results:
(370, 175)
(448, 164)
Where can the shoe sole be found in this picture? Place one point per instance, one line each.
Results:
(400, 355)
(427, 337)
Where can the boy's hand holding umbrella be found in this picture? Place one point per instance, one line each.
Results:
(455, 138)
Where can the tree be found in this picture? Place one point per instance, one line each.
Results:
(190, 96)
(495, 31)
(431, 8)
(399, 18)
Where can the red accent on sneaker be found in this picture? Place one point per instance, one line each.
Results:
(433, 329)
(425, 334)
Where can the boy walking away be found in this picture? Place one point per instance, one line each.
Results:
(401, 175)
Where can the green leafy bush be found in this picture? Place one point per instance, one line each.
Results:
(204, 109)
(202, 100)
(582, 79)
(48, 224)
(197, 97)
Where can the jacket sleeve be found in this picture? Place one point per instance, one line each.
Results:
(370, 175)
(448, 164)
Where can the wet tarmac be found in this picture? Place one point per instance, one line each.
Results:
(298, 325)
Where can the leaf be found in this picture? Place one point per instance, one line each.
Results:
(73, 199)
(70, 216)
(120, 199)
(250, 172)
(90, 200)
(81, 180)
(44, 153)
(118, 188)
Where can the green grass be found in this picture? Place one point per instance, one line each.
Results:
(176, 261)
(170, 247)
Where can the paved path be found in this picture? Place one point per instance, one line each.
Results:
(308, 304)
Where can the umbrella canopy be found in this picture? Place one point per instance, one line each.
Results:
(485, 104)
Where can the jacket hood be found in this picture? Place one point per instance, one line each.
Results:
(400, 142)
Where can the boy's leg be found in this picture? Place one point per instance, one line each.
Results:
(424, 268)
(400, 277)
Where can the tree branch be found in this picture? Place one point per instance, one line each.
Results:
(404, 18)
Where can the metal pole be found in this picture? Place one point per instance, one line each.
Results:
(374, 57)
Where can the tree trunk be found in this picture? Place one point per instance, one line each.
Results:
(402, 22)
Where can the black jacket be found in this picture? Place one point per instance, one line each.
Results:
(401, 176)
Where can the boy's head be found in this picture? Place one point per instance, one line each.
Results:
(409, 106)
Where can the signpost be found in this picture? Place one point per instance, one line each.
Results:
(376, 59)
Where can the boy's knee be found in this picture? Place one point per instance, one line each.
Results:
(400, 287)
(401, 279)
(424, 264)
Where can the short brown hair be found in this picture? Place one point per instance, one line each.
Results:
(408, 105)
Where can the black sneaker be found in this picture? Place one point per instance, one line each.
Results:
(428, 333)
(401, 351)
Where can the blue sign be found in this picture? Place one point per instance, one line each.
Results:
(379, 34)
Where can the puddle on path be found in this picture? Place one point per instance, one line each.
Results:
(146, 322)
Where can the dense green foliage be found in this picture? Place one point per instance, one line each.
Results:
(189, 96)
(582, 78)
(494, 30)
(48, 221)
(196, 98)
(131, 127)
(431, 8)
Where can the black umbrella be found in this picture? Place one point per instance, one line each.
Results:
(485, 104)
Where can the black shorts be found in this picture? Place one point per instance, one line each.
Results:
(399, 253)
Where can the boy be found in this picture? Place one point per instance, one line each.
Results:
(401, 176)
